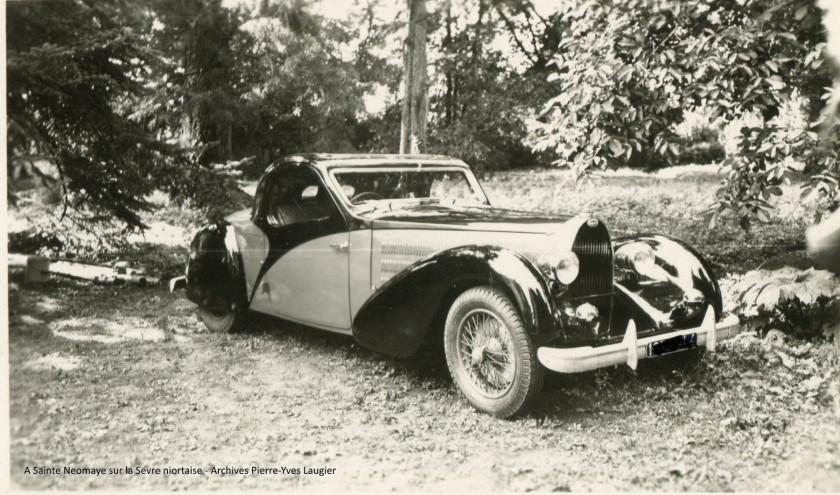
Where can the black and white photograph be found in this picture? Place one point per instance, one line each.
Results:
(421, 245)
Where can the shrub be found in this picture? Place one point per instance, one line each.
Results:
(626, 74)
(701, 146)
(801, 303)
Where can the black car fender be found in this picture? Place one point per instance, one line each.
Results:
(398, 317)
(215, 272)
(683, 262)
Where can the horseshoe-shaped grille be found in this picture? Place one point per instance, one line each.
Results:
(594, 250)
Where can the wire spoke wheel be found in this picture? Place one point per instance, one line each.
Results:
(485, 350)
(490, 354)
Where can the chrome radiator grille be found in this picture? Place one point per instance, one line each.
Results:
(594, 250)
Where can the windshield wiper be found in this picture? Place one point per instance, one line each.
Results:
(373, 205)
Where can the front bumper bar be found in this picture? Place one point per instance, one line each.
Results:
(631, 349)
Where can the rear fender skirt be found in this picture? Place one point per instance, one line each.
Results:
(395, 320)
(215, 272)
(683, 262)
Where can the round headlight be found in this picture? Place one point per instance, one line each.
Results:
(638, 255)
(567, 268)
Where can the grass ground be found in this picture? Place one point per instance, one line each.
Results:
(110, 377)
(670, 204)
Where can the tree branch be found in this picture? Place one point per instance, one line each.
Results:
(532, 57)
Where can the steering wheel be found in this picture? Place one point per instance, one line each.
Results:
(366, 195)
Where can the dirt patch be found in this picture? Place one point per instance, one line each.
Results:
(107, 331)
(55, 361)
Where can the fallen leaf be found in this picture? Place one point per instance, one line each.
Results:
(811, 384)
(788, 361)
(678, 470)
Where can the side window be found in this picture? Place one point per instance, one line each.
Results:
(295, 196)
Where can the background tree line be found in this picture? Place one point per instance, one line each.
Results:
(122, 98)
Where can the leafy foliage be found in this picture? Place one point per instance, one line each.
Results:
(206, 74)
(73, 71)
(702, 146)
(801, 303)
(261, 82)
(124, 99)
(481, 100)
(626, 73)
(304, 95)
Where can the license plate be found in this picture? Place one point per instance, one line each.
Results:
(678, 343)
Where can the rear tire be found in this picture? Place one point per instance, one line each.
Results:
(227, 322)
(489, 353)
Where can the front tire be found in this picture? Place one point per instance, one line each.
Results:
(489, 353)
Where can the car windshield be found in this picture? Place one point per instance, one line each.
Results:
(394, 186)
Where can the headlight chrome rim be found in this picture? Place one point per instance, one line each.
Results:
(567, 267)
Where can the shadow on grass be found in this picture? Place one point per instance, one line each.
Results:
(428, 363)
(565, 397)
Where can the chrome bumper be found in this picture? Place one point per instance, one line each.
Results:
(631, 349)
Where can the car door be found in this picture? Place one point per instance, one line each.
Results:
(306, 273)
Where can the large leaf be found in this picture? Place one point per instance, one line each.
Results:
(767, 289)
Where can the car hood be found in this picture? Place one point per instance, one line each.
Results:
(480, 218)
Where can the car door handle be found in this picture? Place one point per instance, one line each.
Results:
(341, 246)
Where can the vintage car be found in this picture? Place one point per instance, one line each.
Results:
(398, 250)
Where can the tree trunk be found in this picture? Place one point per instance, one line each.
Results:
(449, 105)
(477, 43)
(415, 97)
(229, 140)
(482, 9)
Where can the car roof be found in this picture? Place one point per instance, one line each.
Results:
(327, 161)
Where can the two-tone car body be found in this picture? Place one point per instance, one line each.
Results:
(396, 250)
